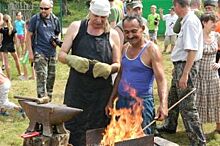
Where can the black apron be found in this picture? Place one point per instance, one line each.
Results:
(83, 90)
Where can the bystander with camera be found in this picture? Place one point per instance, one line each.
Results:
(42, 49)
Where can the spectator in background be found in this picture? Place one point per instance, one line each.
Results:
(43, 26)
(127, 7)
(5, 85)
(25, 60)
(8, 41)
(185, 57)
(153, 23)
(217, 29)
(134, 7)
(20, 28)
(170, 36)
(208, 82)
(115, 15)
(210, 5)
(195, 6)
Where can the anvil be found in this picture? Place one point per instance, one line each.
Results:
(49, 115)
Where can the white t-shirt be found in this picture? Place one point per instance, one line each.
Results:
(190, 37)
(170, 21)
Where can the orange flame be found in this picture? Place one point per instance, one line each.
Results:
(125, 122)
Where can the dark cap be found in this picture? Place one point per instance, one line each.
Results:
(210, 3)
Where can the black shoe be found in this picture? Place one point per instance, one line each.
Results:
(164, 129)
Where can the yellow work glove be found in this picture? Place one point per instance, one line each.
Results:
(102, 70)
(80, 64)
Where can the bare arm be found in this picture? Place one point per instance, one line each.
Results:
(114, 93)
(15, 38)
(121, 35)
(157, 66)
(0, 38)
(161, 13)
(68, 39)
(189, 63)
(29, 45)
(116, 50)
(25, 32)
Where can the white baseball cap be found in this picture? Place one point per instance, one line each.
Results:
(100, 7)
(153, 6)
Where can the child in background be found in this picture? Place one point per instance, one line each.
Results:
(5, 85)
(8, 34)
(25, 60)
(20, 28)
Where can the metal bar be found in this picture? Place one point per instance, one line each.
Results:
(194, 89)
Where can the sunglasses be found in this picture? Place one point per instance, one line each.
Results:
(42, 8)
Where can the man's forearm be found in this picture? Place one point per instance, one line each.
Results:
(162, 93)
(115, 67)
(189, 62)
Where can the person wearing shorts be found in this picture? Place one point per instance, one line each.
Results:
(170, 36)
(20, 28)
(8, 38)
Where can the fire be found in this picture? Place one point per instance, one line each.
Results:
(125, 123)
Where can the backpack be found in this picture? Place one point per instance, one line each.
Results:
(55, 24)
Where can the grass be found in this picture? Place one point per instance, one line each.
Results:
(13, 126)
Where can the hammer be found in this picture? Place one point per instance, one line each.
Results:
(42, 100)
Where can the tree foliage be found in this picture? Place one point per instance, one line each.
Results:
(29, 1)
(8, 1)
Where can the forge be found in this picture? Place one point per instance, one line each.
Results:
(46, 126)
(94, 137)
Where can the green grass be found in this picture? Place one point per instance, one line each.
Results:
(13, 126)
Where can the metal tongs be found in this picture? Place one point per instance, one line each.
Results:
(189, 93)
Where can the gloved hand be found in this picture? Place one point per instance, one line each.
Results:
(102, 70)
(80, 64)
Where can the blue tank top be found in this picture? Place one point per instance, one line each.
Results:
(136, 75)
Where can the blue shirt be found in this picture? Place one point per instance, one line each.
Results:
(19, 26)
(45, 30)
(136, 75)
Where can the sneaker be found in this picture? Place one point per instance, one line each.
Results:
(22, 77)
(22, 113)
(166, 130)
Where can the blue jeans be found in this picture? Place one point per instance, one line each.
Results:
(148, 112)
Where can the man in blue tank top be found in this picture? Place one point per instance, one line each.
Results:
(141, 63)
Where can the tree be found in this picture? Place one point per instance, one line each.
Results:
(65, 10)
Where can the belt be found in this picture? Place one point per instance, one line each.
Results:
(181, 62)
(178, 62)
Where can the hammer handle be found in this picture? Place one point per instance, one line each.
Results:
(26, 98)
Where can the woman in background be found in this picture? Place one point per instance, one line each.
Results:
(8, 41)
(208, 82)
